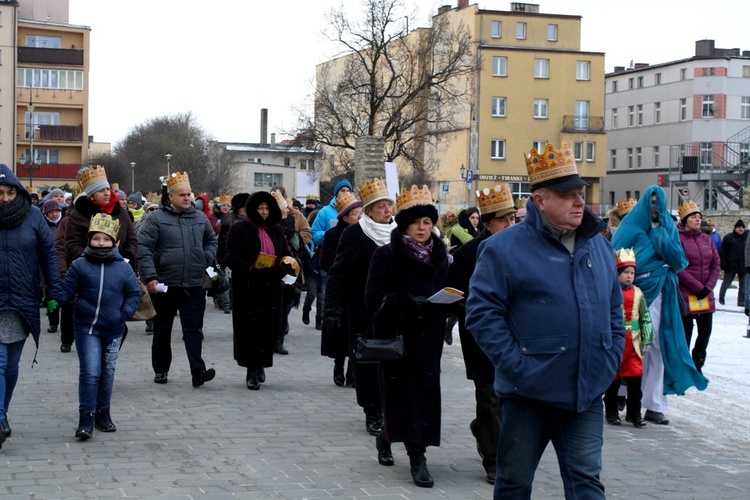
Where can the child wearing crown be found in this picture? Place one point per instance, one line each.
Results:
(638, 336)
(108, 295)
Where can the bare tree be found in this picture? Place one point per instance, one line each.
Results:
(406, 87)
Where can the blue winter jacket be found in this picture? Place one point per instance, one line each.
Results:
(322, 222)
(108, 295)
(551, 323)
(23, 251)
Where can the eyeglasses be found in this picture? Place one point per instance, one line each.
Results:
(152, 209)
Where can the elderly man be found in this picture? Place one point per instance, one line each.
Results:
(545, 306)
(175, 245)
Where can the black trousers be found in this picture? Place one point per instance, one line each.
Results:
(191, 303)
(633, 405)
(705, 324)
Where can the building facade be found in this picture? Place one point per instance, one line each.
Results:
(684, 125)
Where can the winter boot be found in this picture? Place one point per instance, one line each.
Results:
(418, 462)
(103, 421)
(306, 315)
(385, 457)
(338, 372)
(85, 425)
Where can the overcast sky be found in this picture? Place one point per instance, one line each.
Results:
(224, 60)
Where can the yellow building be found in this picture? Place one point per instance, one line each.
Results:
(51, 94)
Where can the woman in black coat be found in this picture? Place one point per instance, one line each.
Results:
(403, 274)
(257, 285)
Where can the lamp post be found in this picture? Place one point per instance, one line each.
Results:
(132, 177)
(32, 166)
(169, 158)
(463, 175)
(34, 162)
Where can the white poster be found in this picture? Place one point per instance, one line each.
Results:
(308, 183)
(391, 179)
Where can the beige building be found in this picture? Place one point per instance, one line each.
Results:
(534, 86)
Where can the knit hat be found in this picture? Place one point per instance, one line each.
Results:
(136, 198)
(121, 195)
(56, 192)
(50, 205)
(739, 223)
(92, 179)
(340, 184)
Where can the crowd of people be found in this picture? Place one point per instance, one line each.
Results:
(370, 265)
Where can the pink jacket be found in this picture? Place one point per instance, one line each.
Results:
(703, 266)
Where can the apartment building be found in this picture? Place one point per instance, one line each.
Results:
(684, 125)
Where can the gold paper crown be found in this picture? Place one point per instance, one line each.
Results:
(521, 202)
(178, 180)
(104, 223)
(89, 176)
(153, 197)
(625, 206)
(553, 164)
(372, 191)
(413, 197)
(498, 199)
(223, 198)
(625, 257)
(345, 199)
(687, 208)
(280, 201)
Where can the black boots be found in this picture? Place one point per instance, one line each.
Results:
(202, 376)
(103, 421)
(338, 372)
(85, 425)
(373, 423)
(252, 379)
(306, 315)
(418, 462)
(385, 457)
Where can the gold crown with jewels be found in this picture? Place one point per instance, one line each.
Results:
(551, 166)
(687, 208)
(625, 257)
(413, 197)
(625, 206)
(91, 176)
(223, 198)
(178, 180)
(372, 191)
(498, 199)
(104, 223)
(343, 200)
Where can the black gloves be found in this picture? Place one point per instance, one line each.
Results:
(703, 293)
(420, 305)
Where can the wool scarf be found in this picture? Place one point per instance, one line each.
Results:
(107, 207)
(13, 213)
(377, 232)
(423, 251)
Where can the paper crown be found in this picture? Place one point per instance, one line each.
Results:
(625, 206)
(498, 199)
(223, 198)
(413, 197)
(521, 202)
(372, 191)
(311, 198)
(104, 223)
(345, 199)
(687, 208)
(153, 197)
(178, 180)
(92, 179)
(625, 257)
(280, 201)
(552, 166)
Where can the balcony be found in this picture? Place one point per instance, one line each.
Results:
(63, 57)
(55, 133)
(583, 124)
(49, 171)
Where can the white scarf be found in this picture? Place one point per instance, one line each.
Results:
(377, 232)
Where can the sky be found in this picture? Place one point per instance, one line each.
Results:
(225, 60)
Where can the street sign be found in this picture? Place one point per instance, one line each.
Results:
(469, 176)
(445, 188)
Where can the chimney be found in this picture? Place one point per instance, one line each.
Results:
(273, 139)
(462, 4)
(264, 126)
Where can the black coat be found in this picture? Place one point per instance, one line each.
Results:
(732, 252)
(410, 388)
(256, 293)
(330, 243)
(478, 365)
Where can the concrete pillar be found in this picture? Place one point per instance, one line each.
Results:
(369, 156)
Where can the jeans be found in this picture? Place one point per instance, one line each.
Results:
(191, 302)
(728, 278)
(528, 425)
(97, 357)
(10, 355)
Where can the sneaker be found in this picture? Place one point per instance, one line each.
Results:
(656, 417)
(161, 378)
(65, 347)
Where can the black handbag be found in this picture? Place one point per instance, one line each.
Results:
(379, 350)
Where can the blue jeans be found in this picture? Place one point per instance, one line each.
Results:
(528, 425)
(10, 355)
(191, 303)
(97, 357)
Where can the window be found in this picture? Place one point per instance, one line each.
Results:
(745, 108)
(498, 149)
(267, 180)
(706, 154)
(709, 71)
(638, 157)
(640, 82)
(613, 158)
(657, 79)
(540, 108)
(683, 109)
(590, 151)
(551, 32)
(521, 31)
(614, 85)
(307, 164)
(583, 69)
(631, 83)
(45, 156)
(614, 118)
(637, 195)
(657, 112)
(50, 78)
(40, 118)
(640, 114)
(631, 116)
(683, 74)
(539, 145)
(499, 66)
(746, 72)
(45, 42)
(627, 194)
(541, 68)
(520, 190)
(630, 157)
(578, 151)
(498, 106)
(582, 115)
(657, 154)
(497, 29)
(708, 107)
(287, 161)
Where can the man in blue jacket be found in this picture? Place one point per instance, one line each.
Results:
(545, 306)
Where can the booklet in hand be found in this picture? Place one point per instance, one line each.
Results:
(447, 295)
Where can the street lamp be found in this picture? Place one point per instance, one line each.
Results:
(32, 166)
(132, 166)
(169, 158)
(463, 177)
(34, 162)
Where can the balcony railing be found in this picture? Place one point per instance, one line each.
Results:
(55, 133)
(69, 57)
(49, 171)
(583, 124)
